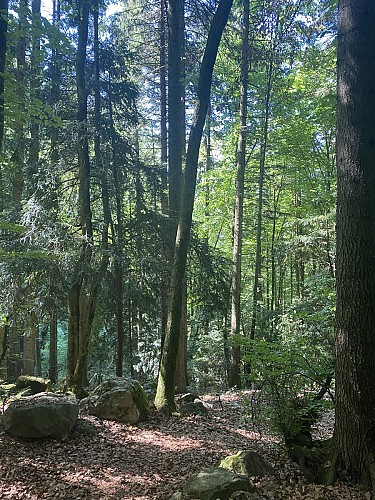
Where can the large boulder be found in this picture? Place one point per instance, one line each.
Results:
(215, 483)
(249, 463)
(35, 384)
(42, 415)
(122, 400)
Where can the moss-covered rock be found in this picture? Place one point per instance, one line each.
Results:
(122, 400)
(41, 415)
(215, 483)
(35, 384)
(249, 463)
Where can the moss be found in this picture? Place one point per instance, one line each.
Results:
(36, 384)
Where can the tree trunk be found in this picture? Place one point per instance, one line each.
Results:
(234, 378)
(355, 311)
(164, 400)
(19, 149)
(3, 50)
(118, 240)
(53, 371)
(29, 345)
(34, 147)
(82, 298)
(175, 9)
(257, 286)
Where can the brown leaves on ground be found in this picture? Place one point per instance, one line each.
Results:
(150, 461)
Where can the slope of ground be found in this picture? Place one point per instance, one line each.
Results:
(150, 461)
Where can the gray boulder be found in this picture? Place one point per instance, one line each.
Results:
(194, 408)
(121, 400)
(189, 397)
(215, 483)
(35, 384)
(42, 415)
(248, 463)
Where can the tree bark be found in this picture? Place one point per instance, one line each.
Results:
(83, 292)
(19, 149)
(164, 400)
(53, 371)
(355, 311)
(234, 376)
(3, 50)
(32, 168)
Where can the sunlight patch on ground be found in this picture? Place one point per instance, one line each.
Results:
(166, 441)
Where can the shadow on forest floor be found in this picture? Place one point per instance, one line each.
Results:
(150, 461)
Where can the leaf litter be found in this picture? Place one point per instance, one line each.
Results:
(153, 460)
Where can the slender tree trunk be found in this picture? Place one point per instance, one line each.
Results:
(52, 371)
(234, 377)
(257, 287)
(164, 400)
(19, 149)
(119, 242)
(35, 61)
(355, 275)
(3, 50)
(163, 157)
(175, 112)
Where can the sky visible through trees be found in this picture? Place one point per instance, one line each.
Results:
(99, 187)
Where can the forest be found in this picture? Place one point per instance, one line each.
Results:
(187, 203)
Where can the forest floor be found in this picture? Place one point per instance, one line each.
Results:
(153, 460)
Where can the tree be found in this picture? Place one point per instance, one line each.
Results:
(234, 378)
(355, 274)
(164, 399)
(3, 48)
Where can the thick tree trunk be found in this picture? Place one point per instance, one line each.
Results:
(83, 292)
(355, 312)
(29, 345)
(164, 400)
(234, 378)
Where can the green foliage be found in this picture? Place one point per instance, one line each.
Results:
(289, 381)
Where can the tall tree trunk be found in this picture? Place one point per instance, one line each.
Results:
(234, 377)
(163, 157)
(257, 287)
(52, 370)
(19, 149)
(35, 61)
(119, 243)
(3, 50)
(355, 311)
(82, 298)
(175, 9)
(164, 400)
(29, 345)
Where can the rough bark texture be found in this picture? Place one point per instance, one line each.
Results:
(81, 297)
(164, 400)
(355, 313)
(234, 378)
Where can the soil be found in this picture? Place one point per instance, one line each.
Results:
(153, 460)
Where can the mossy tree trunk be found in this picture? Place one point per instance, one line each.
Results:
(164, 400)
